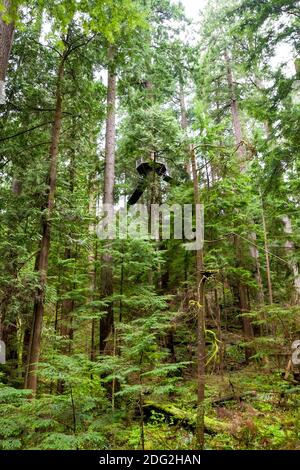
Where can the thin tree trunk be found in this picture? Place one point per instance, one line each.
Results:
(184, 121)
(121, 286)
(67, 305)
(290, 247)
(107, 322)
(255, 256)
(266, 243)
(241, 152)
(6, 41)
(219, 328)
(25, 347)
(244, 303)
(65, 324)
(238, 134)
(43, 255)
(200, 320)
(91, 261)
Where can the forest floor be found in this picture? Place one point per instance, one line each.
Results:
(260, 410)
(248, 407)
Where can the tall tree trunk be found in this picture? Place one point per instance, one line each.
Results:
(107, 322)
(92, 256)
(26, 346)
(241, 152)
(6, 41)
(184, 122)
(290, 247)
(244, 303)
(219, 328)
(184, 127)
(266, 243)
(255, 256)
(67, 307)
(237, 127)
(43, 254)
(67, 304)
(200, 319)
(65, 323)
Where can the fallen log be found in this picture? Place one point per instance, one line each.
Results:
(235, 397)
(185, 418)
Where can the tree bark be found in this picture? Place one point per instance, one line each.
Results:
(6, 41)
(107, 322)
(67, 307)
(266, 243)
(241, 152)
(219, 328)
(67, 304)
(92, 256)
(184, 122)
(255, 256)
(200, 319)
(238, 133)
(290, 248)
(244, 303)
(43, 254)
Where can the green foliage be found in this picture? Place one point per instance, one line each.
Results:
(173, 96)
